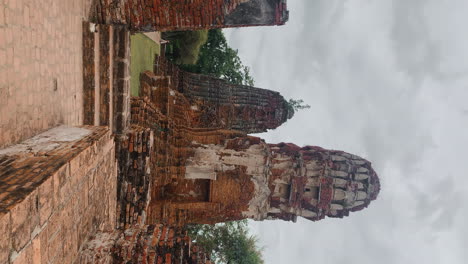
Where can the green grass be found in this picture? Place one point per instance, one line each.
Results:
(142, 50)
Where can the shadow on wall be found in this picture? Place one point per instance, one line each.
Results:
(253, 12)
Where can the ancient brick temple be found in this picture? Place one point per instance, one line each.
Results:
(119, 186)
(164, 15)
(214, 171)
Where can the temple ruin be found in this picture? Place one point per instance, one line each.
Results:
(120, 186)
(219, 173)
(179, 153)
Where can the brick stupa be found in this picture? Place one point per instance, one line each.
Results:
(210, 170)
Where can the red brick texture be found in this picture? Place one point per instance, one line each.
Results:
(205, 102)
(150, 244)
(106, 76)
(181, 108)
(40, 70)
(121, 80)
(54, 194)
(133, 152)
(205, 164)
(89, 82)
(160, 15)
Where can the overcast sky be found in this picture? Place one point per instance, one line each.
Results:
(388, 81)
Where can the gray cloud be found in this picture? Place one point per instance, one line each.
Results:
(386, 80)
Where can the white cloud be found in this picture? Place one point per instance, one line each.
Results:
(386, 80)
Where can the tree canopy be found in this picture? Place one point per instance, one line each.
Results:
(217, 59)
(186, 45)
(296, 105)
(228, 243)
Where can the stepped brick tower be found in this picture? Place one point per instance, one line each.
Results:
(313, 182)
(165, 15)
(247, 178)
(210, 170)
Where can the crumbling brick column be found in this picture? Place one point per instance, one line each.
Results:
(165, 15)
(133, 152)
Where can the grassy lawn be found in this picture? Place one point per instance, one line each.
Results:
(142, 51)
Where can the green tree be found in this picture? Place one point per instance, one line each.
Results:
(185, 45)
(296, 105)
(228, 243)
(217, 59)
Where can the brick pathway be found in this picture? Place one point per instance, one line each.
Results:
(40, 66)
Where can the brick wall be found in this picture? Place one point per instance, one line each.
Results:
(56, 189)
(134, 177)
(121, 79)
(211, 103)
(146, 244)
(161, 15)
(106, 76)
(106, 59)
(184, 110)
(223, 105)
(89, 107)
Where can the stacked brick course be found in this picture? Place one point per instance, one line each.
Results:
(236, 107)
(134, 182)
(106, 76)
(56, 189)
(106, 60)
(160, 15)
(39, 89)
(152, 244)
(89, 106)
(176, 106)
(206, 102)
(121, 79)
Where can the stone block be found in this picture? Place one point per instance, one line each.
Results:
(65, 193)
(24, 257)
(5, 240)
(34, 213)
(70, 245)
(36, 250)
(121, 68)
(46, 200)
(60, 178)
(54, 224)
(77, 162)
(44, 243)
(21, 224)
(84, 194)
(55, 247)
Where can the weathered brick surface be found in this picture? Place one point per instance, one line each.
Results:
(5, 242)
(105, 73)
(106, 76)
(150, 15)
(216, 103)
(211, 103)
(121, 79)
(56, 189)
(89, 85)
(173, 104)
(39, 88)
(208, 170)
(150, 244)
(134, 177)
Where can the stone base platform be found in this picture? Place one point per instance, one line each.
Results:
(56, 189)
